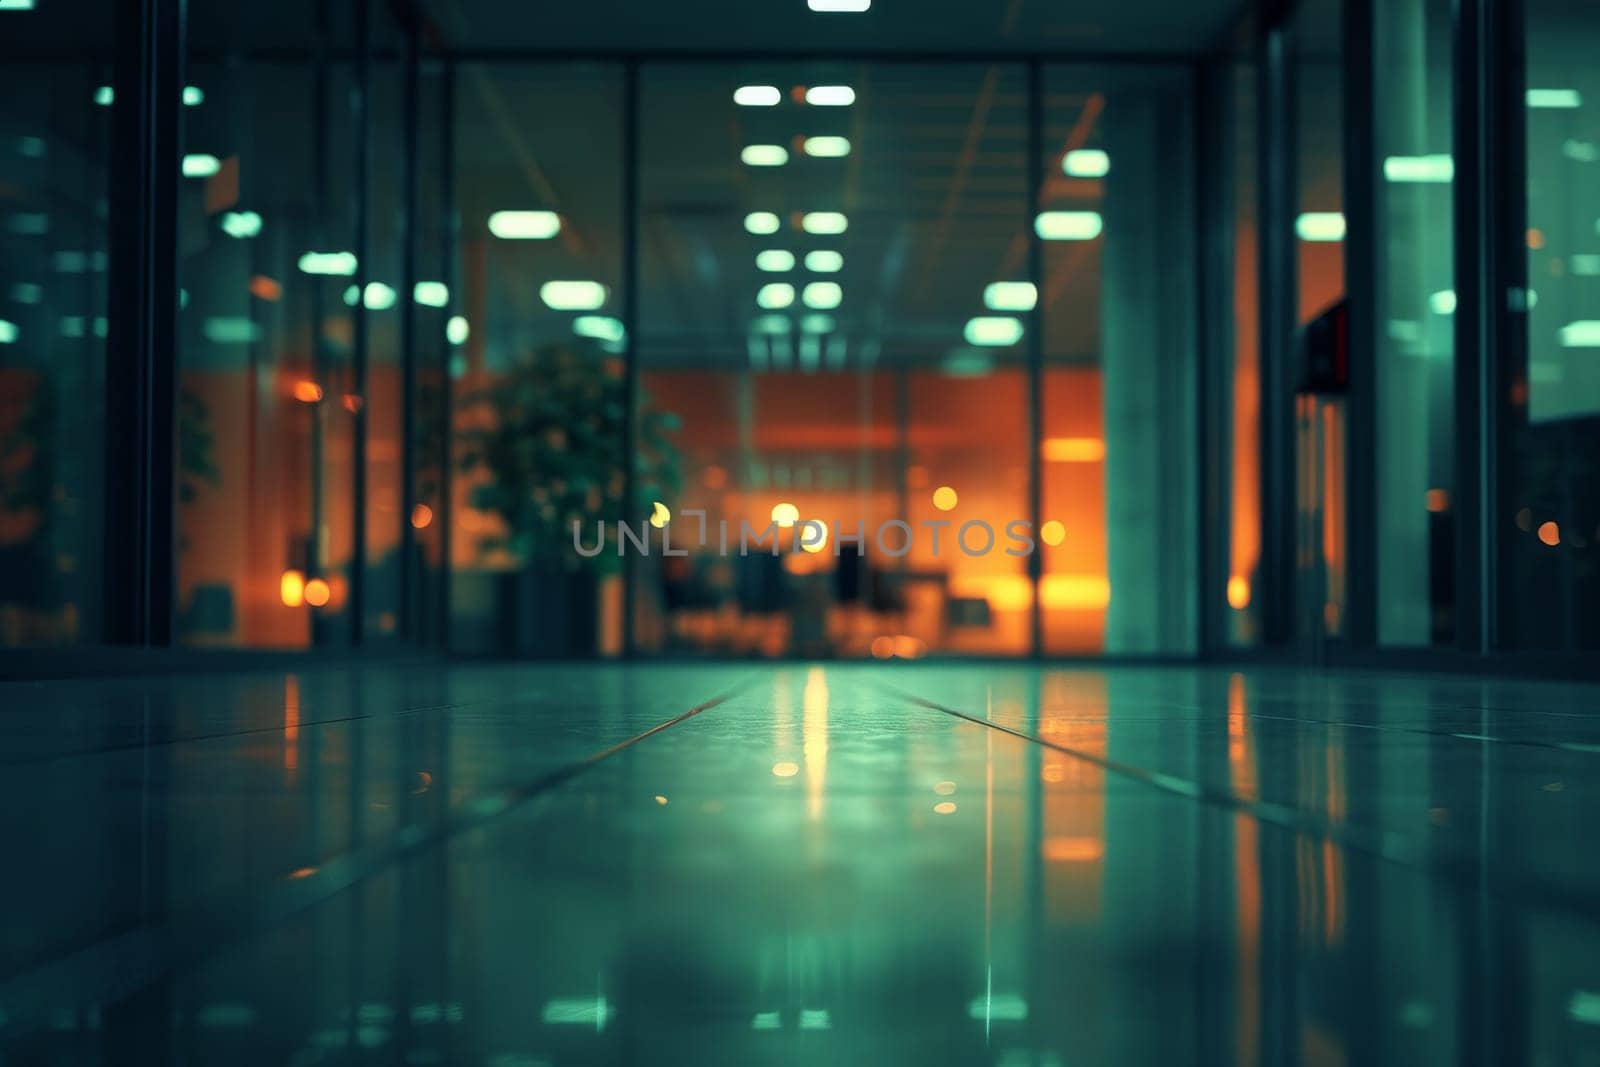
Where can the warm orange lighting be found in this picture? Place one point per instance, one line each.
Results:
(1073, 449)
(265, 288)
(292, 589)
(714, 477)
(1535, 237)
(421, 517)
(307, 391)
(944, 789)
(1073, 849)
(302, 872)
(661, 800)
(882, 647)
(785, 514)
(1238, 592)
(945, 807)
(944, 498)
(1052, 532)
(785, 769)
(1075, 592)
(660, 515)
(917, 476)
(317, 592)
(908, 647)
(1438, 500)
(352, 403)
(1550, 533)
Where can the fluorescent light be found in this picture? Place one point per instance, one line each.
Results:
(8, 332)
(31, 147)
(848, 6)
(193, 95)
(27, 293)
(230, 331)
(757, 95)
(824, 222)
(456, 330)
(1434, 168)
(1580, 151)
(764, 155)
(761, 222)
(433, 294)
(340, 263)
(822, 295)
(573, 295)
(1443, 302)
(1320, 226)
(1010, 296)
(830, 96)
(1000, 1007)
(524, 225)
(1584, 333)
(775, 260)
(827, 147)
(599, 327)
(380, 297)
(1554, 98)
(29, 223)
(1085, 163)
(775, 295)
(16, 5)
(816, 322)
(823, 261)
(771, 324)
(1068, 225)
(993, 331)
(582, 1011)
(69, 262)
(200, 165)
(240, 224)
(966, 363)
(1586, 264)
(104, 96)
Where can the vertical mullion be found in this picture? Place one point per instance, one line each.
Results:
(1360, 263)
(447, 271)
(141, 349)
(1275, 155)
(1035, 157)
(630, 325)
(408, 330)
(358, 520)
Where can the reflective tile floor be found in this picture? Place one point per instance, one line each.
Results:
(860, 864)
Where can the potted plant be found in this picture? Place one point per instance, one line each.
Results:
(546, 438)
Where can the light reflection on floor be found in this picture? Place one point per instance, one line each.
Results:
(848, 863)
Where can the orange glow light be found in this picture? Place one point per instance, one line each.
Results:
(785, 769)
(714, 477)
(307, 391)
(1550, 533)
(265, 288)
(882, 647)
(944, 498)
(1073, 450)
(1238, 592)
(1075, 592)
(317, 592)
(907, 647)
(421, 517)
(1052, 532)
(1438, 500)
(785, 514)
(292, 589)
(1535, 238)
(945, 807)
(1073, 849)
(352, 403)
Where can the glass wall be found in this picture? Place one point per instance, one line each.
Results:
(833, 309)
(1121, 359)
(1549, 489)
(1319, 228)
(1416, 302)
(55, 139)
(538, 389)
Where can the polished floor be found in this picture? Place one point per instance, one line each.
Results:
(838, 864)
